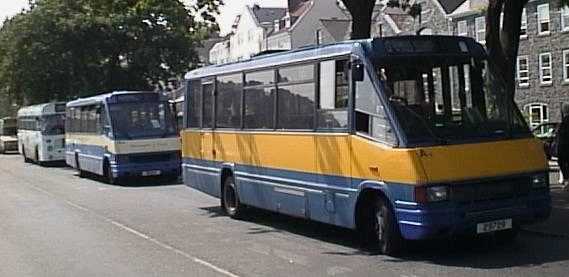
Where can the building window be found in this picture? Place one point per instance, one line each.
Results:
(566, 65)
(481, 29)
(545, 73)
(537, 113)
(318, 37)
(523, 71)
(565, 19)
(543, 20)
(524, 25)
(462, 28)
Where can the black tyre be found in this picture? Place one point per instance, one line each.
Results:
(382, 228)
(26, 159)
(80, 172)
(230, 199)
(109, 178)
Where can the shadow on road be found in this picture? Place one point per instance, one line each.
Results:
(482, 252)
(140, 182)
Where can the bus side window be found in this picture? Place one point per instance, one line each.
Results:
(371, 118)
(208, 88)
(194, 102)
(333, 95)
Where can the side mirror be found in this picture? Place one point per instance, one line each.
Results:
(357, 71)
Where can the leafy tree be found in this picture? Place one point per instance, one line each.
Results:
(62, 49)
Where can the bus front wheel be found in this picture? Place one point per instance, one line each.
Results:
(108, 171)
(81, 172)
(382, 229)
(26, 159)
(230, 199)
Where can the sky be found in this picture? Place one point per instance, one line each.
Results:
(8, 8)
(231, 9)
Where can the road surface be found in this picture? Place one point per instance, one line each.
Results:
(53, 223)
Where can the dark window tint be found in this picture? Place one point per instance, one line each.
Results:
(296, 73)
(194, 104)
(259, 108)
(228, 108)
(296, 106)
(207, 94)
(260, 78)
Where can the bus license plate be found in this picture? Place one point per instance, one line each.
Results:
(151, 173)
(492, 226)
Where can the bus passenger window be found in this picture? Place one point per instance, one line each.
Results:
(259, 100)
(333, 95)
(207, 94)
(194, 104)
(296, 94)
(228, 105)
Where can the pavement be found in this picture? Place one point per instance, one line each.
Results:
(54, 223)
(558, 223)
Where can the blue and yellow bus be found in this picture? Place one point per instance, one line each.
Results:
(401, 138)
(121, 135)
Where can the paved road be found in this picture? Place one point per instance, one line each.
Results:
(53, 223)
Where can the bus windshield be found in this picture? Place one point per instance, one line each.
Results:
(53, 125)
(449, 101)
(142, 120)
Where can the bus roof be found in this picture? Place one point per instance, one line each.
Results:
(377, 49)
(42, 109)
(104, 97)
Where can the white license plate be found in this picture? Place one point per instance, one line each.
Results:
(492, 226)
(151, 173)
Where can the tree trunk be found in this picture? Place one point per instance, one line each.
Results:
(361, 11)
(503, 43)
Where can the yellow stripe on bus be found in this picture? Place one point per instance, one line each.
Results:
(353, 156)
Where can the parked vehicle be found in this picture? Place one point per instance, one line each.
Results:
(121, 135)
(547, 133)
(400, 138)
(41, 132)
(8, 135)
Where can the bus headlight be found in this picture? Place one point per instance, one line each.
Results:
(436, 194)
(539, 181)
(431, 194)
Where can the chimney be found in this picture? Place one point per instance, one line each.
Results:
(287, 20)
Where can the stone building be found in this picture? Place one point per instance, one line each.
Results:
(302, 25)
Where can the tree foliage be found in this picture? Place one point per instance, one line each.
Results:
(62, 49)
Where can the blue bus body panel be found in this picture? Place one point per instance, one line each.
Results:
(329, 200)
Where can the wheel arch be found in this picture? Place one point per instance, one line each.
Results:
(367, 192)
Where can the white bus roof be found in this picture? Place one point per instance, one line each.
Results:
(101, 98)
(42, 109)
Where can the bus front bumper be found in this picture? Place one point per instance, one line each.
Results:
(167, 168)
(448, 219)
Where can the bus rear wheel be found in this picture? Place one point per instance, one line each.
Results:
(381, 228)
(230, 199)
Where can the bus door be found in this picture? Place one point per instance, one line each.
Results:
(332, 141)
(207, 150)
